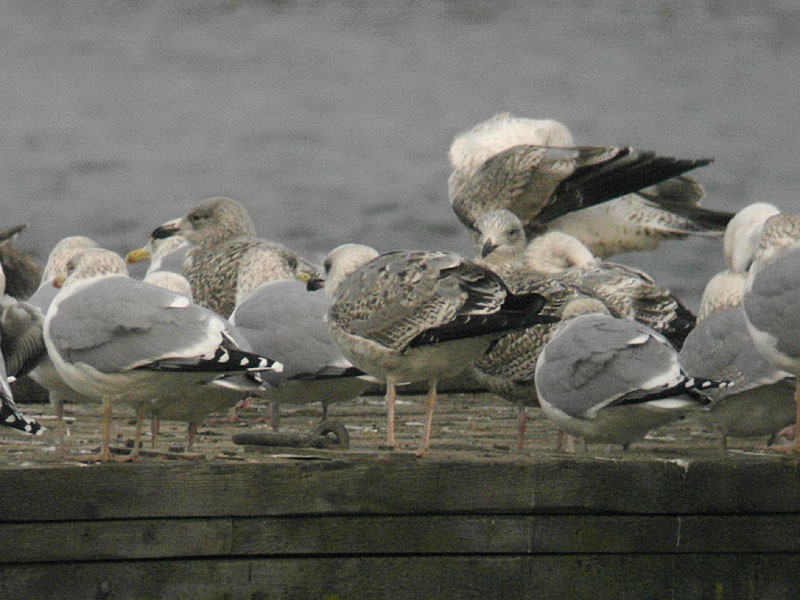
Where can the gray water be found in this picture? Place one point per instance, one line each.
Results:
(332, 120)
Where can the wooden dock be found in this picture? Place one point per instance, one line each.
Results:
(671, 519)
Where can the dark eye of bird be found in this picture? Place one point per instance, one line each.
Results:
(327, 266)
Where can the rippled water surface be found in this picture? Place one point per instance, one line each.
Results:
(331, 121)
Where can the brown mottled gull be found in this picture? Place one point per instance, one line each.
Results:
(560, 268)
(532, 168)
(224, 240)
(418, 316)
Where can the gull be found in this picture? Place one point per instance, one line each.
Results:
(113, 338)
(611, 380)
(760, 399)
(165, 250)
(223, 238)
(18, 346)
(532, 168)
(407, 316)
(283, 317)
(770, 298)
(560, 268)
(45, 373)
(724, 290)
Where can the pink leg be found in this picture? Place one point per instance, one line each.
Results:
(796, 446)
(155, 426)
(430, 402)
(192, 434)
(391, 396)
(137, 440)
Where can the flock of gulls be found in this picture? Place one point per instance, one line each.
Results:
(536, 315)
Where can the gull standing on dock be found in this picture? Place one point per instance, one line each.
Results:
(224, 239)
(610, 380)
(770, 299)
(532, 168)
(45, 373)
(418, 316)
(113, 338)
(282, 317)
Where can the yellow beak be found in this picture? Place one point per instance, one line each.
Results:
(135, 256)
(58, 281)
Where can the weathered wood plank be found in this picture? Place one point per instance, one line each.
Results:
(399, 484)
(110, 540)
(739, 576)
(376, 535)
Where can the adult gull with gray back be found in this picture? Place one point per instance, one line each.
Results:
(409, 316)
(113, 338)
(770, 299)
(532, 168)
(760, 399)
(611, 380)
(283, 318)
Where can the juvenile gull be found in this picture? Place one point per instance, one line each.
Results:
(770, 299)
(418, 316)
(612, 380)
(165, 250)
(10, 416)
(284, 318)
(560, 268)
(724, 290)
(224, 245)
(113, 338)
(532, 168)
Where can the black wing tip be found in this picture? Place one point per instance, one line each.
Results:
(9, 417)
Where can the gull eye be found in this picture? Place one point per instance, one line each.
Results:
(327, 265)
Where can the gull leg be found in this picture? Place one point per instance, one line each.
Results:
(62, 426)
(275, 416)
(324, 411)
(795, 447)
(137, 440)
(522, 424)
(155, 426)
(430, 402)
(192, 434)
(391, 396)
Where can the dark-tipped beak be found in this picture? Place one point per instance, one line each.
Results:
(315, 283)
(487, 248)
(165, 231)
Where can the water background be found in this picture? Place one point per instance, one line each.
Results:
(332, 120)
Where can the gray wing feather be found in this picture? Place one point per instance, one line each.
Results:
(771, 302)
(592, 361)
(118, 324)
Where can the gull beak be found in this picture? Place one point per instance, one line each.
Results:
(315, 282)
(487, 248)
(166, 230)
(58, 281)
(134, 256)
